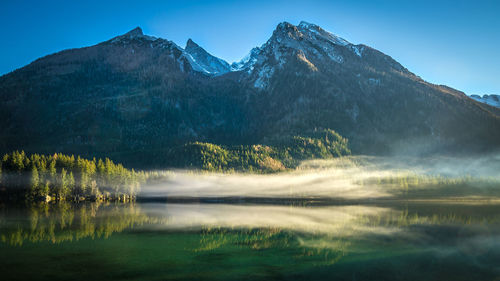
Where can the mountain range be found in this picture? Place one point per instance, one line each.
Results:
(134, 97)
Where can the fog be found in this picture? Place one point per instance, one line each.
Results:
(350, 178)
(332, 220)
(305, 184)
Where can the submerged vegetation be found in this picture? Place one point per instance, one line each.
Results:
(61, 177)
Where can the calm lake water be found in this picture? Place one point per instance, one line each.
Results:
(303, 241)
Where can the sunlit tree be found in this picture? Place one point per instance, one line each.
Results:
(34, 183)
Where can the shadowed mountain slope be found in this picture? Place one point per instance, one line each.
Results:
(137, 96)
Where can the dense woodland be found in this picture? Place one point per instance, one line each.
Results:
(276, 154)
(61, 177)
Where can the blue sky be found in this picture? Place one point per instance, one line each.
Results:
(445, 42)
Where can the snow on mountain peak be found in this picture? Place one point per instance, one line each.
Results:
(206, 62)
(248, 61)
(310, 40)
(315, 31)
(300, 43)
(493, 100)
(286, 27)
(305, 24)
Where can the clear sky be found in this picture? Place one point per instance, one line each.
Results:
(455, 43)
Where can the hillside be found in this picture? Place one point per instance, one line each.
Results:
(136, 97)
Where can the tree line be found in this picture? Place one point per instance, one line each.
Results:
(277, 154)
(66, 177)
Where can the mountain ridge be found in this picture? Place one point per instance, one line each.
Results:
(137, 95)
(493, 100)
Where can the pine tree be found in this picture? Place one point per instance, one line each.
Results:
(52, 176)
(101, 171)
(84, 178)
(71, 181)
(18, 161)
(52, 168)
(44, 189)
(63, 189)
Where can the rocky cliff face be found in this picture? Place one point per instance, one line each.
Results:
(210, 65)
(136, 95)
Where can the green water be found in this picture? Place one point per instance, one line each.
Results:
(152, 241)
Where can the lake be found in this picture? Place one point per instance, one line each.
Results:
(281, 240)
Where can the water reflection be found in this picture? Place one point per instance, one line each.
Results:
(65, 222)
(223, 241)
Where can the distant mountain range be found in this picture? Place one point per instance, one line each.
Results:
(493, 100)
(135, 96)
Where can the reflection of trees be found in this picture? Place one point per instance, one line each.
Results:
(435, 214)
(319, 250)
(330, 240)
(296, 236)
(62, 222)
(214, 238)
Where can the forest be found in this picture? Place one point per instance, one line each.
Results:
(62, 177)
(276, 154)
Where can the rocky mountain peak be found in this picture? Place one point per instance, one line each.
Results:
(191, 44)
(248, 61)
(304, 24)
(134, 32)
(286, 29)
(206, 62)
(315, 32)
(132, 35)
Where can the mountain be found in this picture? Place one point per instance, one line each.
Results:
(209, 63)
(493, 100)
(124, 96)
(134, 97)
(308, 77)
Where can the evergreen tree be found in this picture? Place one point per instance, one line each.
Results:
(71, 181)
(44, 189)
(52, 168)
(101, 170)
(64, 188)
(60, 175)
